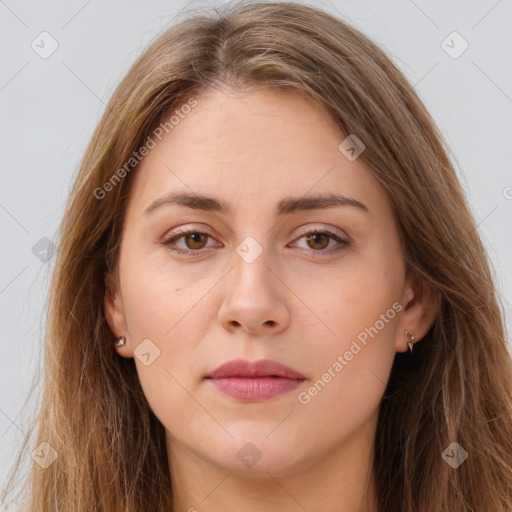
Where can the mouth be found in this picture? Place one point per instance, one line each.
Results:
(255, 381)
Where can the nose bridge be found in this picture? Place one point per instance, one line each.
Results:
(252, 269)
(253, 299)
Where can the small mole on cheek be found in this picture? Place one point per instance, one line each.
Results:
(177, 289)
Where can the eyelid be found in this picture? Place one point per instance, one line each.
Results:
(182, 231)
(199, 228)
(304, 230)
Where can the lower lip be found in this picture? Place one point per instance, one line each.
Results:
(253, 389)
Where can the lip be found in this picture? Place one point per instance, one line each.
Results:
(260, 368)
(255, 381)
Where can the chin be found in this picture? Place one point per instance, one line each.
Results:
(254, 453)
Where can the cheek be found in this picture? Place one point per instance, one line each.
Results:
(352, 361)
(357, 298)
(161, 301)
(350, 372)
(165, 308)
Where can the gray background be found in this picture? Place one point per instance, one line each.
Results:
(49, 107)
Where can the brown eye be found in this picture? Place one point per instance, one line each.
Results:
(188, 241)
(318, 241)
(195, 240)
(322, 242)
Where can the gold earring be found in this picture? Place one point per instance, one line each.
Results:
(411, 338)
(121, 342)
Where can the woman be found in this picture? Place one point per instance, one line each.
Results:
(269, 292)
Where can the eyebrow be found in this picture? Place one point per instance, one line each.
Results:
(285, 206)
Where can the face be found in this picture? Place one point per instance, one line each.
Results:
(272, 267)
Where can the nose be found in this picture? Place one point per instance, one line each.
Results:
(254, 299)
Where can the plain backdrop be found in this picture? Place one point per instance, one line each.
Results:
(50, 106)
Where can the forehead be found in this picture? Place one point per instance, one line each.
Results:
(243, 124)
(251, 145)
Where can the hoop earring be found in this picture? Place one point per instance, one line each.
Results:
(410, 343)
(121, 342)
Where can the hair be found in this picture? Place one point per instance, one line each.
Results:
(111, 447)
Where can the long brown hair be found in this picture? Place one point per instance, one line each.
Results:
(110, 446)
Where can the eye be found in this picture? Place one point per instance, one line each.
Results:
(319, 240)
(194, 241)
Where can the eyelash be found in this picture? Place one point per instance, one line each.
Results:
(191, 252)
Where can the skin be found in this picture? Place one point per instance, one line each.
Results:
(251, 149)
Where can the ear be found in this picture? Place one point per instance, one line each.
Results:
(114, 313)
(420, 302)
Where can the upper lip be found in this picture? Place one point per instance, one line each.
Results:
(260, 368)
